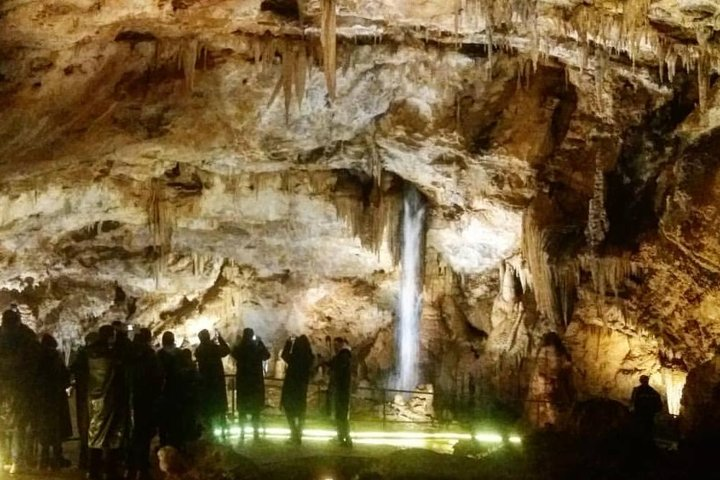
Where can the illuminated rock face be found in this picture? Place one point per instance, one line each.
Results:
(183, 165)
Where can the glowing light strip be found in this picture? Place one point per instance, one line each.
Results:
(376, 437)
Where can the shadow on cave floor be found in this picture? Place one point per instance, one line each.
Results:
(542, 456)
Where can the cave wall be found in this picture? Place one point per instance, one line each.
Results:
(189, 164)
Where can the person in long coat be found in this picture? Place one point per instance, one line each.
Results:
(81, 397)
(211, 391)
(299, 357)
(145, 383)
(249, 356)
(52, 411)
(19, 356)
(341, 376)
(108, 401)
(171, 393)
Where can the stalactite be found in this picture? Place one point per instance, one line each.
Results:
(458, 18)
(375, 165)
(160, 225)
(302, 71)
(600, 69)
(328, 38)
(662, 52)
(671, 62)
(608, 272)
(268, 54)
(703, 68)
(534, 244)
(566, 278)
(188, 58)
(288, 74)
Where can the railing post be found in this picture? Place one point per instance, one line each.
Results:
(384, 404)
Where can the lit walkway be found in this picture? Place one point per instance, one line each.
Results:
(318, 450)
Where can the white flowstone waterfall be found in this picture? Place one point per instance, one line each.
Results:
(409, 307)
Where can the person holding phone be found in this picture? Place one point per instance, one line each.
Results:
(249, 355)
(211, 389)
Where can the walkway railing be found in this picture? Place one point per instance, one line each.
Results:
(367, 403)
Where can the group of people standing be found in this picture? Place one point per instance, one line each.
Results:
(33, 402)
(126, 393)
(297, 353)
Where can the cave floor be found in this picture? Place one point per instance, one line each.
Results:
(538, 459)
(273, 457)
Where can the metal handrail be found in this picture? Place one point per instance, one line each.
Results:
(359, 387)
(276, 383)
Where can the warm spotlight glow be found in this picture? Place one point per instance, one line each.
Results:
(193, 327)
(674, 380)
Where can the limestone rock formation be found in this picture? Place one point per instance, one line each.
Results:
(241, 163)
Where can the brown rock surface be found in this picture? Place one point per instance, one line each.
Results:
(191, 152)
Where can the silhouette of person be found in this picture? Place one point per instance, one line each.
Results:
(108, 400)
(249, 356)
(299, 357)
(646, 404)
(52, 411)
(340, 373)
(81, 397)
(190, 430)
(170, 428)
(145, 383)
(211, 390)
(19, 356)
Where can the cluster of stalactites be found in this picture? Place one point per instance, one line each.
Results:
(626, 31)
(375, 223)
(555, 279)
(184, 53)
(553, 283)
(288, 181)
(296, 61)
(608, 272)
(490, 15)
(296, 55)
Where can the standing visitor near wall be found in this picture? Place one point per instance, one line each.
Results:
(171, 391)
(249, 356)
(51, 416)
(212, 392)
(145, 383)
(82, 414)
(108, 402)
(341, 373)
(19, 355)
(299, 357)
